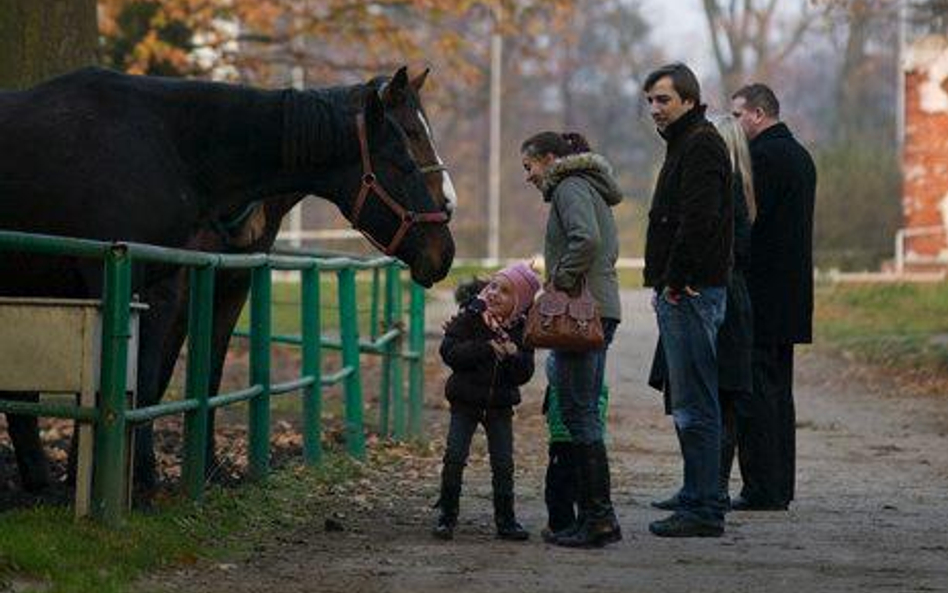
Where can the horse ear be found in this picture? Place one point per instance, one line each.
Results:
(374, 112)
(394, 93)
(419, 81)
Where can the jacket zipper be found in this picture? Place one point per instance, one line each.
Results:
(493, 379)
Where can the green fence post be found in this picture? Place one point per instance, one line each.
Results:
(109, 476)
(349, 332)
(398, 368)
(374, 308)
(312, 366)
(259, 414)
(388, 321)
(416, 372)
(200, 320)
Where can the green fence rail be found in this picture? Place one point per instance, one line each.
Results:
(387, 338)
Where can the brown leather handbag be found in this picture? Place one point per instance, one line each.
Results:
(560, 322)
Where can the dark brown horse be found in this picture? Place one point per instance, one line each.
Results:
(257, 232)
(102, 155)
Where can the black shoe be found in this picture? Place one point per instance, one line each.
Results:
(679, 525)
(743, 504)
(445, 527)
(591, 534)
(506, 521)
(549, 534)
(512, 531)
(669, 504)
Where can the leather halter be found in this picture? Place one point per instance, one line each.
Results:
(370, 184)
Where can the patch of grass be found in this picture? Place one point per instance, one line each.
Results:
(285, 310)
(46, 548)
(898, 325)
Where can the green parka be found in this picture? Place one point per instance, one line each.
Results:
(581, 237)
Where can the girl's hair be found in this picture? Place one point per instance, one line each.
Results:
(556, 143)
(737, 148)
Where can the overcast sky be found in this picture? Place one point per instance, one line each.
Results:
(679, 26)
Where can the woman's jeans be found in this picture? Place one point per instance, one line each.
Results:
(688, 332)
(578, 377)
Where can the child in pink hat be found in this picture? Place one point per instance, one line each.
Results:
(483, 345)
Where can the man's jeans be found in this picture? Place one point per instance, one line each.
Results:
(578, 378)
(689, 332)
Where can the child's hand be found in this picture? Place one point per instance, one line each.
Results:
(500, 351)
(510, 349)
(503, 348)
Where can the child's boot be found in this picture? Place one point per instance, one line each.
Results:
(447, 517)
(448, 501)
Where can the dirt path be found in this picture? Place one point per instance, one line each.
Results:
(871, 510)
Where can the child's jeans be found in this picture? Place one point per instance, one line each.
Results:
(498, 424)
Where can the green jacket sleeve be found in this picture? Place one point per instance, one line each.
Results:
(573, 201)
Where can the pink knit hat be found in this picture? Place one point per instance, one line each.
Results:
(525, 283)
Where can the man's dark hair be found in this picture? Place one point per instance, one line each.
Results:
(683, 80)
(759, 96)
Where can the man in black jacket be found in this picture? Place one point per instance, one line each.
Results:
(687, 261)
(781, 289)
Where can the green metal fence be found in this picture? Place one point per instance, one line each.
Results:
(387, 338)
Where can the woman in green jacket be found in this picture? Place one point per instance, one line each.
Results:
(581, 247)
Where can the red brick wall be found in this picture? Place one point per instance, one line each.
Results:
(925, 167)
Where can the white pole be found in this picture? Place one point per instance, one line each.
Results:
(493, 203)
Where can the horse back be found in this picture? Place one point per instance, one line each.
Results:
(81, 153)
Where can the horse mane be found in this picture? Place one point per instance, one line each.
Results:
(318, 126)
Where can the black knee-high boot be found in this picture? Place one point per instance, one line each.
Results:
(502, 480)
(449, 500)
(560, 488)
(599, 525)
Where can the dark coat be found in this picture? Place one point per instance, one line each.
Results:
(781, 273)
(581, 240)
(690, 228)
(736, 335)
(478, 379)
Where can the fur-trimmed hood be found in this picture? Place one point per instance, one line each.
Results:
(590, 166)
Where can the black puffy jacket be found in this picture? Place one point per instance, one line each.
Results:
(479, 379)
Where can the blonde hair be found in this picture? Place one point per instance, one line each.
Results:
(737, 148)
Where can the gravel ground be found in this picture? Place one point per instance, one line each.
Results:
(871, 510)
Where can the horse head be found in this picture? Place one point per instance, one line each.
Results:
(402, 99)
(394, 207)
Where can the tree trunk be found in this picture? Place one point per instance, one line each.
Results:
(850, 109)
(42, 38)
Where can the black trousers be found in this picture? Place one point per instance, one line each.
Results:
(772, 442)
(498, 424)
